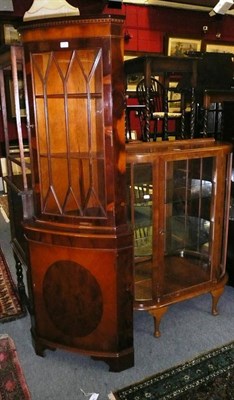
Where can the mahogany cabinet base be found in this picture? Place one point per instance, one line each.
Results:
(157, 311)
(117, 362)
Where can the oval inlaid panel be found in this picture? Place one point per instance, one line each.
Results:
(73, 298)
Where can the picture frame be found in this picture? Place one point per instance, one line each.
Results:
(128, 55)
(10, 98)
(179, 46)
(9, 34)
(217, 47)
(132, 82)
(133, 79)
(174, 98)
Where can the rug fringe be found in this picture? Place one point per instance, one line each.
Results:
(4, 336)
(11, 306)
(5, 217)
(111, 396)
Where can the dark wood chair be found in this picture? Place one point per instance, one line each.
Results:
(155, 99)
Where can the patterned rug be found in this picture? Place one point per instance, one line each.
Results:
(4, 207)
(207, 377)
(12, 381)
(10, 305)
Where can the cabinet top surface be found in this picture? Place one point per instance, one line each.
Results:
(207, 144)
(88, 19)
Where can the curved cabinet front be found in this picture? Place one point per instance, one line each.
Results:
(178, 196)
(80, 244)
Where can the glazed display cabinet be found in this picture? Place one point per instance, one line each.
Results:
(178, 203)
(80, 242)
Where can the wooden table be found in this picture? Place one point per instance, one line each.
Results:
(176, 67)
(214, 96)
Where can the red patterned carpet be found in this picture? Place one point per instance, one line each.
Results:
(10, 305)
(12, 381)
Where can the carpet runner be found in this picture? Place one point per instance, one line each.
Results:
(207, 377)
(10, 305)
(12, 382)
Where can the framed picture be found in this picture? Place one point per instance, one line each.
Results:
(217, 47)
(174, 98)
(9, 34)
(132, 82)
(179, 46)
(10, 98)
(133, 79)
(128, 55)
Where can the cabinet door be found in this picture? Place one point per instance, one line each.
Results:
(188, 223)
(69, 111)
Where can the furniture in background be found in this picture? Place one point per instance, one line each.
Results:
(129, 109)
(230, 251)
(2, 188)
(192, 76)
(228, 135)
(159, 108)
(17, 162)
(178, 205)
(218, 97)
(168, 69)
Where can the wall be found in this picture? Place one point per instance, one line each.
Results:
(149, 27)
(20, 6)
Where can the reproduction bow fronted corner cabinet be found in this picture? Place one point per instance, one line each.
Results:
(80, 242)
(178, 197)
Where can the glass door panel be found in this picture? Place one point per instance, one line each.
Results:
(190, 187)
(69, 102)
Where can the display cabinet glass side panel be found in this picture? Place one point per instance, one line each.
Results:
(140, 209)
